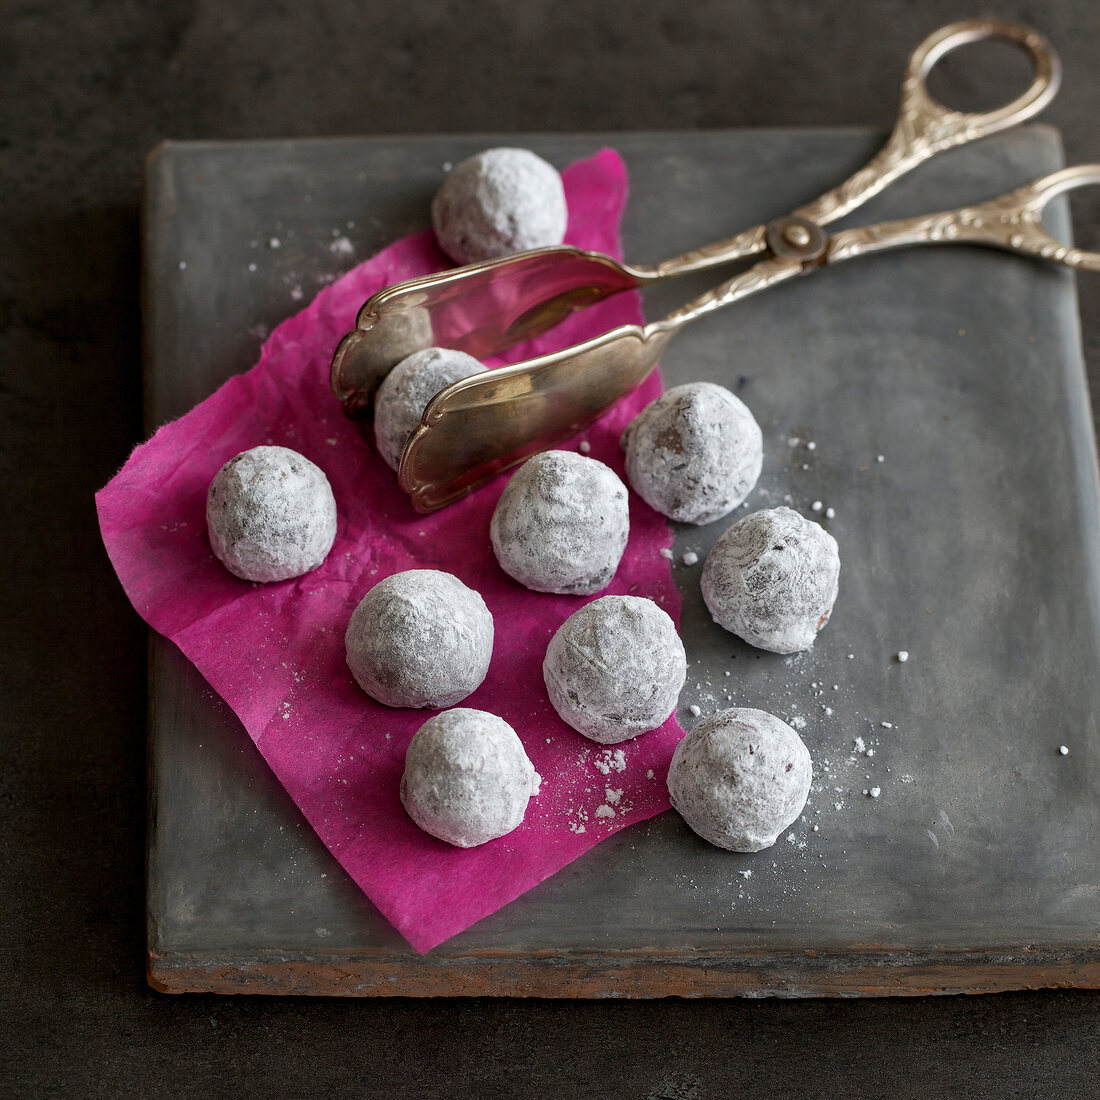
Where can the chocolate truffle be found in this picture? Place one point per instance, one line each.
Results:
(270, 514)
(407, 389)
(561, 524)
(695, 453)
(467, 779)
(739, 778)
(498, 202)
(420, 638)
(615, 668)
(771, 579)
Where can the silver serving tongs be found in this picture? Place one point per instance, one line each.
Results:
(486, 423)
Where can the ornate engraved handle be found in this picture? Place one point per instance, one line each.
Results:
(767, 273)
(1013, 221)
(926, 127)
(747, 243)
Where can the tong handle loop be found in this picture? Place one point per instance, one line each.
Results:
(926, 127)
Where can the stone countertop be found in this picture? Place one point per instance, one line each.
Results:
(89, 90)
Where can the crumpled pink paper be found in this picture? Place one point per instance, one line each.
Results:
(275, 652)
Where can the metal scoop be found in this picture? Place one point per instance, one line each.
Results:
(484, 424)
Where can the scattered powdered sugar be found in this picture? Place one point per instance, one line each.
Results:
(610, 760)
(690, 558)
(903, 656)
(605, 810)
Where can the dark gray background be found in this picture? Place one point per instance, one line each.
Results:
(87, 89)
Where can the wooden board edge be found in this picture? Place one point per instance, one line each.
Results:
(635, 975)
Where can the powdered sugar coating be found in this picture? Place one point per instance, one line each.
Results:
(772, 578)
(270, 514)
(467, 779)
(739, 778)
(695, 453)
(407, 389)
(615, 668)
(561, 524)
(419, 638)
(498, 202)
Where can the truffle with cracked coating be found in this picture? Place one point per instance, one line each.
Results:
(406, 390)
(497, 202)
(615, 668)
(772, 578)
(467, 779)
(561, 524)
(270, 514)
(694, 453)
(740, 778)
(419, 638)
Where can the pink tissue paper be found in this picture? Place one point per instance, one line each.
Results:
(275, 652)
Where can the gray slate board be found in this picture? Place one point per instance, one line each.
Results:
(974, 545)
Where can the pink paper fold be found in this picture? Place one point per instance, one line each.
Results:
(275, 652)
